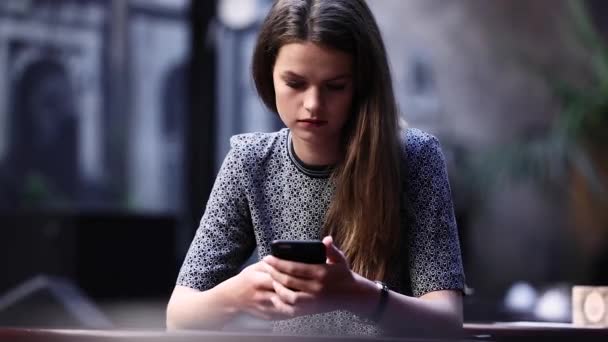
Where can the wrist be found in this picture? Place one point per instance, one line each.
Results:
(381, 306)
(229, 294)
(364, 298)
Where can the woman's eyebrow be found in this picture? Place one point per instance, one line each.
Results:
(291, 74)
(340, 77)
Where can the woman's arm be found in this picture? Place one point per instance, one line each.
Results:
(437, 313)
(210, 290)
(249, 291)
(193, 309)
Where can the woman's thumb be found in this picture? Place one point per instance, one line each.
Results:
(334, 255)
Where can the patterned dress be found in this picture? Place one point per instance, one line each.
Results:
(264, 192)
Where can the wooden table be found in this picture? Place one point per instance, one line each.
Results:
(534, 331)
(75, 335)
(472, 332)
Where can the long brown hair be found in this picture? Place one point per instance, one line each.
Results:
(363, 217)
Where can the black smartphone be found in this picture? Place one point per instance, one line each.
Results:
(306, 251)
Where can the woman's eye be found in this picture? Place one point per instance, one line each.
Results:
(295, 85)
(336, 87)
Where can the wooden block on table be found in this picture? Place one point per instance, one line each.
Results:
(590, 306)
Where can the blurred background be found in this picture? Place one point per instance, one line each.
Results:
(115, 116)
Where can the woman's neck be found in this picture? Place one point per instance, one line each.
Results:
(318, 154)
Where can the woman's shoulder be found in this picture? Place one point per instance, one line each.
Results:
(257, 145)
(418, 143)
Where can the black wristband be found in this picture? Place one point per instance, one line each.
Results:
(382, 302)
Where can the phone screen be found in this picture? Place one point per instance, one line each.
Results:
(306, 251)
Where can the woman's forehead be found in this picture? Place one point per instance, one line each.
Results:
(313, 60)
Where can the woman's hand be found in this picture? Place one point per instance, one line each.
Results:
(303, 289)
(254, 292)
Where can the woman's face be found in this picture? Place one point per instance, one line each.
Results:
(314, 91)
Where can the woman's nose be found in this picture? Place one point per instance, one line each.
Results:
(312, 100)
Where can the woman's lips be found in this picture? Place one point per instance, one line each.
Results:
(312, 122)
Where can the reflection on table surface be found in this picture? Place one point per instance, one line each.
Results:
(68, 335)
(507, 331)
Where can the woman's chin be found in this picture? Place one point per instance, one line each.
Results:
(314, 136)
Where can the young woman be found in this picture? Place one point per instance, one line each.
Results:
(342, 171)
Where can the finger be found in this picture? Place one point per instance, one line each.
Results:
(312, 284)
(263, 306)
(288, 281)
(258, 266)
(283, 308)
(293, 268)
(334, 255)
(263, 297)
(287, 295)
(290, 296)
(263, 281)
(268, 311)
(295, 303)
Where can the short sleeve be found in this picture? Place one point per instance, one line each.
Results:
(434, 249)
(224, 239)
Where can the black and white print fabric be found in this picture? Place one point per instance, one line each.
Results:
(264, 192)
